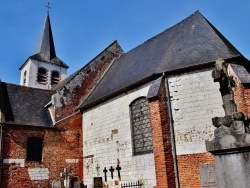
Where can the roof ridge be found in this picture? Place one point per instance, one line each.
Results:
(30, 88)
(70, 77)
(148, 40)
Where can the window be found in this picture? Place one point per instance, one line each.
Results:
(54, 78)
(42, 76)
(34, 149)
(141, 128)
(24, 77)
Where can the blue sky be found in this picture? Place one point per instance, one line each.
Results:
(83, 28)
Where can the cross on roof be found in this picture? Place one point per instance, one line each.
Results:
(48, 7)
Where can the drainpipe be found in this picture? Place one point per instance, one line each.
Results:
(1, 158)
(177, 181)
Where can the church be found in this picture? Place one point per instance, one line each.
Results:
(125, 119)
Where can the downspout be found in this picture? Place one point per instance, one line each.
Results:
(1, 157)
(177, 181)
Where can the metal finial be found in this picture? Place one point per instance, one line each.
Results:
(48, 7)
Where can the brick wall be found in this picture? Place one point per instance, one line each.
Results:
(67, 98)
(165, 175)
(242, 98)
(62, 148)
(188, 165)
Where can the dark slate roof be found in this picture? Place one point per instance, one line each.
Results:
(45, 50)
(25, 106)
(241, 72)
(192, 42)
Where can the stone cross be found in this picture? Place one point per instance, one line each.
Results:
(118, 168)
(105, 173)
(208, 173)
(66, 174)
(97, 169)
(111, 171)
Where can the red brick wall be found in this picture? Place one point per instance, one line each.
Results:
(58, 145)
(188, 166)
(88, 77)
(164, 167)
(242, 98)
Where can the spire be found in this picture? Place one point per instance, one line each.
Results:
(45, 45)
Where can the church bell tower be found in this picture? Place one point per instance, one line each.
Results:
(43, 69)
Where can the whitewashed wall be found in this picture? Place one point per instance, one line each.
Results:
(31, 77)
(195, 100)
(107, 137)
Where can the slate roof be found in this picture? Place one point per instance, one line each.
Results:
(45, 50)
(242, 73)
(192, 42)
(25, 106)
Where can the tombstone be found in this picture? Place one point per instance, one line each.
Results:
(56, 184)
(75, 183)
(98, 182)
(66, 174)
(207, 175)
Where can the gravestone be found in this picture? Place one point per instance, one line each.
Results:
(75, 183)
(56, 184)
(98, 182)
(207, 175)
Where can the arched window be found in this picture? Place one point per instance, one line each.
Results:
(24, 77)
(141, 128)
(34, 149)
(42, 75)
(55, 78)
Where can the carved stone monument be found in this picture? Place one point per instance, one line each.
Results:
(231, 143)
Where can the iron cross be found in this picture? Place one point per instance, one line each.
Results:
(48, 7)
(105, 173)
(111, 171)
(118, 168)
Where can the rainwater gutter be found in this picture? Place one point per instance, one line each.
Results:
(177, 180)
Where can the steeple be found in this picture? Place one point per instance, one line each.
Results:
(45, 46)
(43, 69)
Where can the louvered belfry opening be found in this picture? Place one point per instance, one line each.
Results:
(55, 78)
(42, 76)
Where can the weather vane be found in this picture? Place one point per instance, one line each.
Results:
(48, 7)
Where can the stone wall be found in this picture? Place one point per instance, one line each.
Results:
(195, 100)
(107, 140)
(32, 69)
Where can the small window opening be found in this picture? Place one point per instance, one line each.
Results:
(34, 149)
(42, 76)
(55, 78)
(24, 77)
